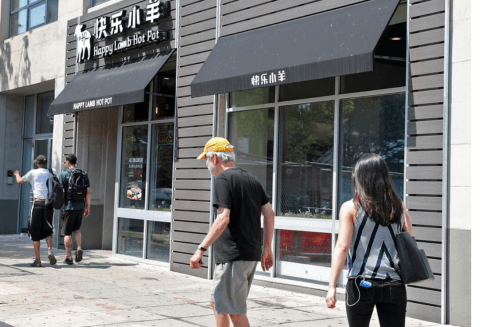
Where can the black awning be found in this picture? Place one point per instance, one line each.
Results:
(333, 43)
(109, 86)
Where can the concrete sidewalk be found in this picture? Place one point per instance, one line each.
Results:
(107, 291)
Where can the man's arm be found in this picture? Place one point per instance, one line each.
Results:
(86, 212)
(268, 226)
(223, 218)
(18, 178)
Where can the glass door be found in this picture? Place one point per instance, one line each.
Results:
(37, 139)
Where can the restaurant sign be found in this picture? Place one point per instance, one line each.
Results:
(118, 24)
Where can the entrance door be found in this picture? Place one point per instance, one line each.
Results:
(31, 149)
(37, 139)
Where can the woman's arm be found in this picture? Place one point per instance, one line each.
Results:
(407, 223)
(347, 218)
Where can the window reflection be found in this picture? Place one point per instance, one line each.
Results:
(158, 241)
(134, 167)
(252, 97)
(130, 237)
(43, 122)
(161, 168)
(373, 124)
(306, 166)
(304, 247)
(251, 132)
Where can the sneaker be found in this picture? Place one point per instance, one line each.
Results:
(52, 259)
(78, 255)
(68, 261)
(36, 263)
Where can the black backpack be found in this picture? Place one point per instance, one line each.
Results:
(77, 188)
(56, 197)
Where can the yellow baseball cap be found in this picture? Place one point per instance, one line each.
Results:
(216, 144)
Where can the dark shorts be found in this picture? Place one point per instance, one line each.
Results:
(72, 220)
(41, 221)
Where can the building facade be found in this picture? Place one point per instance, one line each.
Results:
(301, 89)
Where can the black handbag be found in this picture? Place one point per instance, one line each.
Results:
(414, 265)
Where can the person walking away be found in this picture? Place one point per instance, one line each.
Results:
(76, 186)
(40, 224)
(368, 225)
(239, 200)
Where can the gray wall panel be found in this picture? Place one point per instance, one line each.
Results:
(9, 217)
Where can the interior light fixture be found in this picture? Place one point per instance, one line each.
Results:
(396, 38)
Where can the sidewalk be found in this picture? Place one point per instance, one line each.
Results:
(107, 291)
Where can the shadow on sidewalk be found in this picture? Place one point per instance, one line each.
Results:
(90, 265)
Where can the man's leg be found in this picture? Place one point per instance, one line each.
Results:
(49, 240)
(67, 240)
(78, 238)
(240, 320)
(36, 247)
(220, 320)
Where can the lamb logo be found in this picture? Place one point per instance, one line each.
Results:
(84, 43)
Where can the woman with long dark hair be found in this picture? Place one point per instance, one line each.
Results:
(368, 225)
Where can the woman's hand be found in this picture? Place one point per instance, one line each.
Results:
(331, 297)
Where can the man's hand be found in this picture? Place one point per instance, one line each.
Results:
(86, 212)
(196, 259)
(267, 259)
(16, 173)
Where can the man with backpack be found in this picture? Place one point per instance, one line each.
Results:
(40, 224)
(76, 186)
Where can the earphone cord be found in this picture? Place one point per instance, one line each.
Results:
(346, 292)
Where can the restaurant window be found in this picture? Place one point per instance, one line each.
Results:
(147, 132)
(302, 139)
(26, 15)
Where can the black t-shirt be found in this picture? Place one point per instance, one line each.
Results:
(239, 191)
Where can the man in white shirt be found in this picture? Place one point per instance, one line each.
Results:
(41, 218)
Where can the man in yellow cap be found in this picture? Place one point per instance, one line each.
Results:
(236, 234)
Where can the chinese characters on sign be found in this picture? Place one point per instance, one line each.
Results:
(120, 22)
(268, 78)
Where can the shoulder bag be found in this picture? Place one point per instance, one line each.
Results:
(414, 265)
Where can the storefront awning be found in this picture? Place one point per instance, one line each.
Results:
(333, 43)
(109, 86)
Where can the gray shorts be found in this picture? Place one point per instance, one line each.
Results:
(232, 282)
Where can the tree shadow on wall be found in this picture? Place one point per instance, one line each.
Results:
(6, 66)
(21, 75)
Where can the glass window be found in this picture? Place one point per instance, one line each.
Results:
(251, 132)
(252, 97)
(43, 123)
(161, 167)
(52, 11)
(304, 247)
(134, 167)
(373, 124)
(306, 160)
(158, 241)
(130, 237)
(164, 83)
(98, 2)
(26, 16)
(29, 115)
(163, 107)
(17, 4)
(309, 89)
(18, 22)
(386, 74)
(136, 112)
(37, 15)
